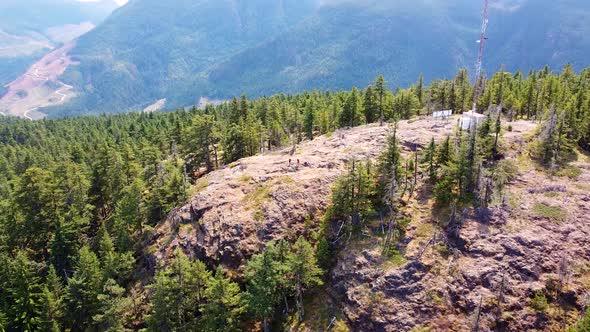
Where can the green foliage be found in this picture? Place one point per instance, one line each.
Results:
(352, 112)
(224, 306)
(114, 307)
(353, 193)
(83, 289)
(21, 292)
(554, 213)
(264, 276)
(539, 301)
(103, 182)
(52, 302)
(389, 175)
(178, 292)
(583, 325)
(114, 265)
(304, 271)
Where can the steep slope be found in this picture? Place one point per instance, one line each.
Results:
(349, 43)
(183, 51)
(152, 49)
(29, 29)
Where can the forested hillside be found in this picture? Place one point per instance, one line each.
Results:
(181, 51)
(84, 200)
(30, 29)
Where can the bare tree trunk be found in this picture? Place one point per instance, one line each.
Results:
(215, 154)
(405, 180)
(415, 171)
(300, 301)
(476, 327)
(265, 326)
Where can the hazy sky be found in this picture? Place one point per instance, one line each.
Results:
(119, 2)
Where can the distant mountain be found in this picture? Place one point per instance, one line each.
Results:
(30, 28)
(183, 50)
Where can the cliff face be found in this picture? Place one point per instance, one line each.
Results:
(237, 209)
(536, 240)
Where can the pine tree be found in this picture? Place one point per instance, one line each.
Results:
(21, 291)
(224, 307)
(370, 106)
(309, 121)
(113, 307)
(351, 114)
(178, 293)
(390, 172)
(201, 139)
(234, 144)
(52, 303)
(304, 271)
(235, 113)
(244, 106)
(129, 214)
(114, 265)
(263, 277)
(420, 89)
(444, 153)
(82, 291)
(429, 161)
(65, 244)
(108, 180)
(380, 91)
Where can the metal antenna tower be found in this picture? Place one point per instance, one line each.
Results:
(482, 42)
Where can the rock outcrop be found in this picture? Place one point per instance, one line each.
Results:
(488, 281)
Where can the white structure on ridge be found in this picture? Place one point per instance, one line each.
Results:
(471, 119)
(442, 114)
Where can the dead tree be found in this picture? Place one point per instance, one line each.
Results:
(477, 317)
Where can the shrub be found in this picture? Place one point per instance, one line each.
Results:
(571, 172)
(539, 301)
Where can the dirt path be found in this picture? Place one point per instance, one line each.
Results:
(36, 88)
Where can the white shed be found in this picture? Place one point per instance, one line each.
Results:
(471, 119)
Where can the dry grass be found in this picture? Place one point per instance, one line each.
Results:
(199, 186)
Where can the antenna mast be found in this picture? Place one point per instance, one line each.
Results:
(478, 66)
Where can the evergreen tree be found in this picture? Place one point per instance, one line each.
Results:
(83, 288)
(380, 91)
(445, 153)
(351, 114)
(223, 308)
(234, 144)
(114, 265)
(113, 308)
(429, 161)
(21, 292)
(420, 89)
(65, 244)
(178, 293)
(129, 214)
(201, 139)
(304, 270)
(390, 172)
(308, 124)
(263, 278)
(370, 106)
(52, 303)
